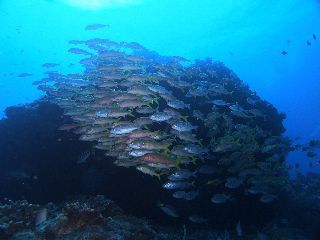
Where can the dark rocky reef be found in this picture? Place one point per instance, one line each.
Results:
(99, 218)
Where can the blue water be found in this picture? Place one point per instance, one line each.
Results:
(255, 32)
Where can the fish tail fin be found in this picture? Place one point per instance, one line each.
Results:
(154, 100)
(185, 118)
(194, 160)
(237, 142)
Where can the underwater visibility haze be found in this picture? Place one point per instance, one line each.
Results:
(144, 119)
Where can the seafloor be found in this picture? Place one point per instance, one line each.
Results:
(99, 218)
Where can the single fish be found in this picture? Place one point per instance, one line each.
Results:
(284, 52)
(169, 210)
(25, 75)
(156, 158)
(196, 149)
(41, 216)
(67, 127)
(183, 126)
(149, 171)
(186, 136)
(50, 65)
(182, 174)
(132, 103)
(96, 26)
(161, 116)
(150, 145)
(177, 185)
(185, 195)
(79, 51)
(220, 198)
(139, 90)
(139, 153)
(314, 36)
(145, 110)
(76, 42)
(219, 102)
(240, 114)
(123, 129)
(159, 89)
(197, 219)
(198, 114)
(233, 182)
(17, 175)
(239, 229)
(253, 100)
(177, 104)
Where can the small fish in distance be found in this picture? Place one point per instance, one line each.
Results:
(78, 51)
(308, 43)
(314, 37)
(96, 26)
(25, 75)
(284, 52)
(49, 65)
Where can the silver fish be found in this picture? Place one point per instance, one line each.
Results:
(182, 174)
(123, 129)
(183, 126)
(268, 198)
(177, 104)
(177, 185)
(161, 116)
(196, 149)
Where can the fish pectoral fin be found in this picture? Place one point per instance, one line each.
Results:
(185, 118)
(118, 119)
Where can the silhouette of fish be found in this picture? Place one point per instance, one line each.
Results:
(308, 43)
(25, 75)
(284, 53)
(95, 26)
(49, 65)
(314, 36)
